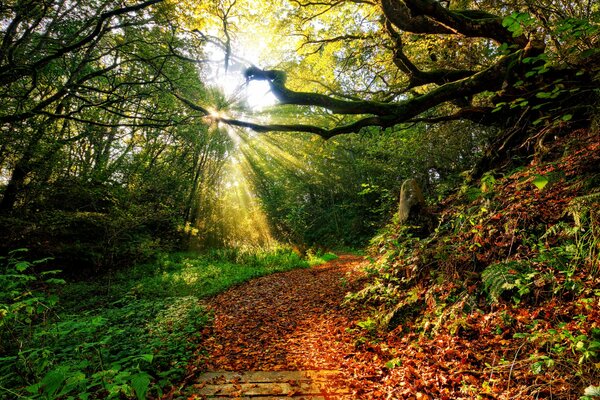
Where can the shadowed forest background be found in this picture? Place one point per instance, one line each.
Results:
(154, 153)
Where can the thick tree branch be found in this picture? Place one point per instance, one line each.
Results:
(382, 114)
(480, 115)
(323, 132)
(430, 17)
(488, 79)
(399, 14)
(277, 80)
(469, 23)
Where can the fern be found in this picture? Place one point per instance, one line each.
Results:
(513, 276)
(580, 208)
(559, 229)
(496, 279)
(579, 239)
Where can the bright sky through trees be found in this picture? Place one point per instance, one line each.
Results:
(242, 219)
(230, 79)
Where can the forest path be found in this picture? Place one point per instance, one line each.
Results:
(289, 321)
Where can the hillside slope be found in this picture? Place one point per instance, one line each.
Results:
(503, 300)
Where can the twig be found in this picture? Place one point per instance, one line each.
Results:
(512, 240)
(513, 364)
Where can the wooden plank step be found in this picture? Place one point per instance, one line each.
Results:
(295, 397)
(267, 376)
(270, 385)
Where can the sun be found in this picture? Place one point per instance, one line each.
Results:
(259, 95)
(239, 215)
(255, 95)
(229, 77)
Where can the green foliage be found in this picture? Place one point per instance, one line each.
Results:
(126, 335)
(318, 257)
(393, 363)
(512, 277)
(27, 300)
(540, 182)
(488, 181)
(116, 351)
(340, 192)
(557, 264)
(92, 241)
(577, 243)
(518, 22)
(211, 273)
(496, 257)
(584, 235)
(574, 344)
(98, 186)
(369, 325)
(27, 297)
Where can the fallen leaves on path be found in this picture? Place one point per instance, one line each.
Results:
(295, 321)
(290, 321)
(286, 321)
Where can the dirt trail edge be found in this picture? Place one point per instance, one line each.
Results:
(291, 321)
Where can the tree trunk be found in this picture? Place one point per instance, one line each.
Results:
(15, 184)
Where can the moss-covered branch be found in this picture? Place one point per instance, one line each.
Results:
(430, 17)
(377, 114)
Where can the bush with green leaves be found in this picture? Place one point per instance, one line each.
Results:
(27, 300)
(125, 335)
(514, 277)
(117, 351)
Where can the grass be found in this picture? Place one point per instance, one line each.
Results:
(130, 334)
(320, 258)
(182, 275)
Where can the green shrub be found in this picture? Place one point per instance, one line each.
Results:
(117, 351)
(27, 300)
(125, 335)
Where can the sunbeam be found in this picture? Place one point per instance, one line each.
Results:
(239, 219)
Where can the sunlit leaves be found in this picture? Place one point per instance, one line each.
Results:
(540, 181)
(248, 29)
(517, 22)
(340, 44)
(592, 391)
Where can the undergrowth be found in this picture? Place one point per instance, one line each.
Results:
(514, 263)
(128, 335)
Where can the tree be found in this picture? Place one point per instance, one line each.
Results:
(84, 84)
(92, 90)
(474, 60)
(98, 160)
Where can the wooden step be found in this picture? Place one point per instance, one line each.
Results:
(270, 385)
